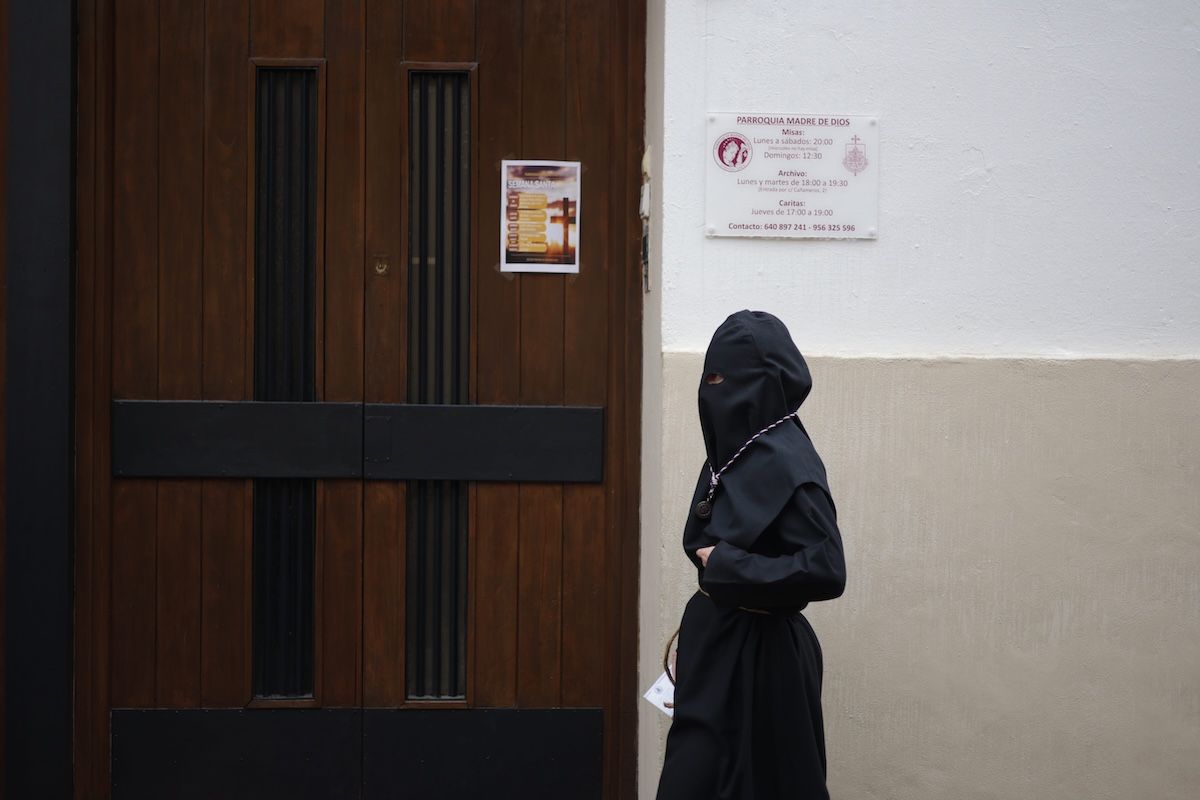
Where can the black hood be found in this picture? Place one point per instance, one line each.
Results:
(763, 377)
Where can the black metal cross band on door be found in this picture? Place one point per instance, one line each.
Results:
(287, 445)
(400, 441)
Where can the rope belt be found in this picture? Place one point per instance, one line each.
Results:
(743, 608)
(667, 651)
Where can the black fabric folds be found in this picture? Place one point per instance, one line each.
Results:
(748, 722)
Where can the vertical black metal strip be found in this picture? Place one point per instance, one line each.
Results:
(416, 157)
(462, 352)
(285, 370)
(447, 284)
(39, 487)
(463, 292)
(434, 263)
(439, 337)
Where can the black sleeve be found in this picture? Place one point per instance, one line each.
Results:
(813, 569)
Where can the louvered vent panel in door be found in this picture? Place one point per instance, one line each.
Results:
(285, 219)
(439, 348)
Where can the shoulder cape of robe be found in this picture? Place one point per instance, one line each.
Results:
(755, 489)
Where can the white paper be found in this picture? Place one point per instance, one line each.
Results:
(792, 176)
(662, 693)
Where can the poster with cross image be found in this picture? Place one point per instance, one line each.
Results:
(539, 216)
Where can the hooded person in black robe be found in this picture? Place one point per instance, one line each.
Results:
(747, 720)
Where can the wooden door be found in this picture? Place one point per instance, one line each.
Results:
(358, 510)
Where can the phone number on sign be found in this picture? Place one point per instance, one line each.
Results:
(820, 226)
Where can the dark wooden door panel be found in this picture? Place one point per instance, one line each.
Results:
(226, 370)
(135, 344)
(587, 517)
(540, 551)
(497, 517)
(385, 342)
(340, 527)
(179, 542)
(286, 28)
(167, 283)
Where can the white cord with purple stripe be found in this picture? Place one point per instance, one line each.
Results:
(704, 507)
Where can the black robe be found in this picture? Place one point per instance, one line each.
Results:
(747, 720)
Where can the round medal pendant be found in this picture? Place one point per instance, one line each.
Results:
(704, 509)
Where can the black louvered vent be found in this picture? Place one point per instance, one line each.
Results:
(438, 358)
(285, 224)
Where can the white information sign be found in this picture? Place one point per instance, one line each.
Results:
(803, 176)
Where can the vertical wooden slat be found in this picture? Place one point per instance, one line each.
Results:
(91, 782)
(384, 502)
(225, 655)
(342, 522)
(623, 433)
(180, 248)
(135, 341)
(441, 30)
(629, 51)
(497, 340)
(586, 667)
(287, 28)
(540, 583)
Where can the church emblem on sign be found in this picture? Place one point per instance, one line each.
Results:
(856, 156)
(732, 152)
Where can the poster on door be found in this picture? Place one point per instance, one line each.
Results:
(539, 216)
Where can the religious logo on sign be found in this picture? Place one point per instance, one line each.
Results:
(732, 152)
(856, 156)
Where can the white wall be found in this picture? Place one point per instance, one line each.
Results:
(1040, 174)
(1023, 529)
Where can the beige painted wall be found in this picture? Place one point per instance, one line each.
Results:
(1022, 616)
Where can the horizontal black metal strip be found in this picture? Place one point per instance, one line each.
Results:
(259, 439)
(484, 443)
(449, 754)
(464, 754)
(248, 439)
(234, 753)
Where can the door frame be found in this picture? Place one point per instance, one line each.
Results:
(37, 490)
